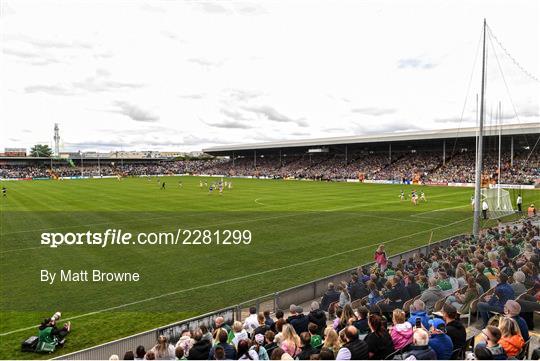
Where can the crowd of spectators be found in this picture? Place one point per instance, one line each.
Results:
(402, 167)
(109, 169)
(409, 310)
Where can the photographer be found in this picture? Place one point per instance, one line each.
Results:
(50, 336)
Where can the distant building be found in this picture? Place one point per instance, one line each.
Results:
(172, 154)
(14, 152)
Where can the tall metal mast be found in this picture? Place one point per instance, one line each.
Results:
(56, 140)
(478, 175)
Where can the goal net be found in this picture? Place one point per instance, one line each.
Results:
(498, 201)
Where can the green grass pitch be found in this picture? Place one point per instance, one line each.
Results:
(300, 231)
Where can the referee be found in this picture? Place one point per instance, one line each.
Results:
(519, 202)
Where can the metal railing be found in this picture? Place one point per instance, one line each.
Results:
(148, 338)
(274, 301)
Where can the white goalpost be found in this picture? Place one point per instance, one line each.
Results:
(499, 202)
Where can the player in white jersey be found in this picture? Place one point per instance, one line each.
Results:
(423, 196)
(401, 195)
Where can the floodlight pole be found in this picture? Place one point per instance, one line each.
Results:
(478, 173)
(512, 151)
(500, 174)
(82, 163)
(444, 152)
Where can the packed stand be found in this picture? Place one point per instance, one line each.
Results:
(402, 167)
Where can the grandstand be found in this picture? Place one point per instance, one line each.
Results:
(431, 157)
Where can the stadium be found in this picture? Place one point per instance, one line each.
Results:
(267, 188)
(352, 194)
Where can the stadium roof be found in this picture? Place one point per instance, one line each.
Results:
(509, 129)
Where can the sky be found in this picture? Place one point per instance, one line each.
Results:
(188, 75)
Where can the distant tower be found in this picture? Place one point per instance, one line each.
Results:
(56, 140)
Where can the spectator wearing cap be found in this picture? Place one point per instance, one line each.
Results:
(317, 316)
(221, 336)
(297, 319)
(518, 285)
(503, 292)
(454, 328)
(439, 341)
(418, 310)
(251, 322)
(491, 336)
(330, 296)
(431, 295)
(259, 348)
(512, 309)
(420, 348)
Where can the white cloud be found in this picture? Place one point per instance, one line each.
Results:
(186, 75)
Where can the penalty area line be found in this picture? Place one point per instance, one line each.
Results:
(236, 278)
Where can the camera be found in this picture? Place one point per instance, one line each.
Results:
(56, 316)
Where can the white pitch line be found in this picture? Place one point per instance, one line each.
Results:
(235, 278)
(439, 210)
(261, 203)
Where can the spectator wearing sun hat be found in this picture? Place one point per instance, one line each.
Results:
(513, 309)
(439, 341)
